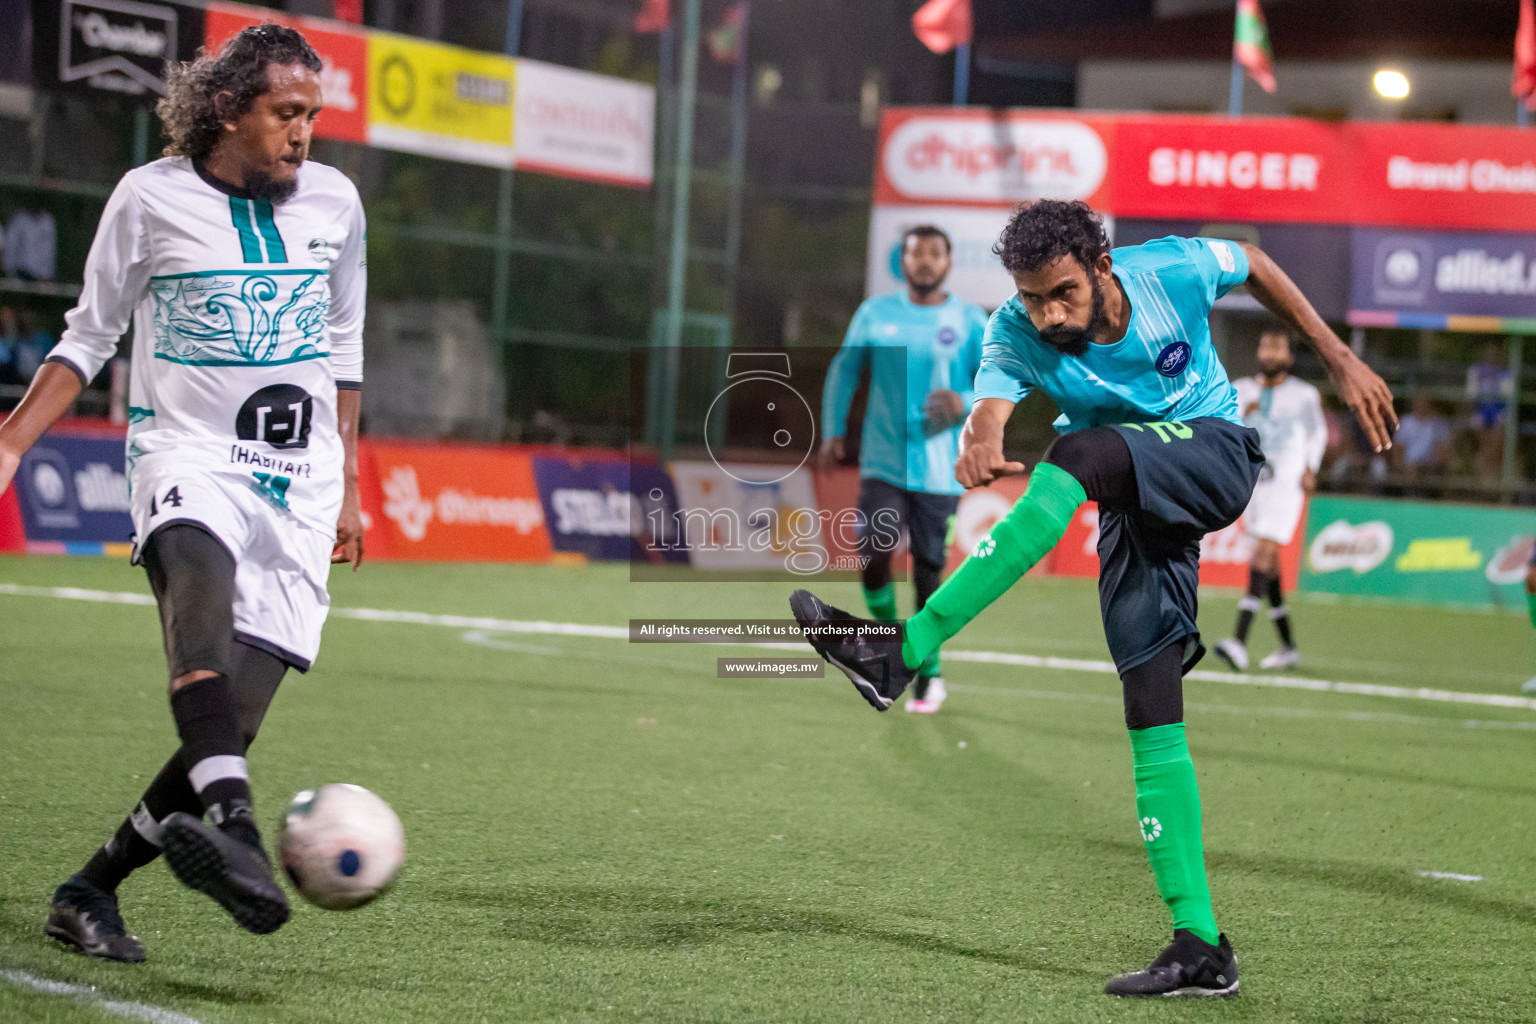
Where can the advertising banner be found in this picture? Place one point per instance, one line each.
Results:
(111, 46)
(608, 509)
(1252, 169)
(731, 523)
(942, 155)
(74, 495)
(1475, 178)
(344, 54)
(1398, 274)
(440, 100)
(456, 503)
(977, 275)
(1224, 555)
(580, 125)
(1440, 554)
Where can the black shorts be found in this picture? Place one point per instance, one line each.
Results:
(925, 517)
(1194, 478)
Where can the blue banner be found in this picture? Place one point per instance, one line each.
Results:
(73, 490)
(600, 508)
(1431, 273)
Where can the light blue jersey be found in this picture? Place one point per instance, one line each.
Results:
(942, 350)
(1165, 368)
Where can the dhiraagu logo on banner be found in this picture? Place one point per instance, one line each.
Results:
(1439, 553)
(438, 100)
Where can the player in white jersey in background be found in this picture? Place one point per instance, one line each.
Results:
(1288, 414)
(241, 268)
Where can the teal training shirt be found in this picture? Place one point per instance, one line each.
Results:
(942, 349)
(1165, 368)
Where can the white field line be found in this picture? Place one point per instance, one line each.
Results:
(91, 997)
(546, 628)
(1451, 875)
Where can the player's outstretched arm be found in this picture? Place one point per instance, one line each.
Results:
(1358, 386)
(981, 444)
(349, 525)
(53, 391)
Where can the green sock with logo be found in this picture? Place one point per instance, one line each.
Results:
(882, 602)
(1019, 540)
(1168, 811)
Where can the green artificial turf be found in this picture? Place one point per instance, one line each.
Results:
(604, 831)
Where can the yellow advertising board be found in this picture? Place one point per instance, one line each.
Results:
(438, 100)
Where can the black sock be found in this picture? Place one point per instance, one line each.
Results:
(1278, 614)
(1252, 601)
(213, 750)
(136, 841)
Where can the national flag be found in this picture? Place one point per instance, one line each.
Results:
(1250, 44)
(725, 38)
(1523, 84)
(654, 16)
(941, 25)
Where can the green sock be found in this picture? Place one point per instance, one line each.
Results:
(931, 666)
(1530, 602)
(1168, 809)
(882, 602)
(1019, 540)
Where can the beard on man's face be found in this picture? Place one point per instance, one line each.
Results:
(1074, 341)
(262, 185)
(1275, 367)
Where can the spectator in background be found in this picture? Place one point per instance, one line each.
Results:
(1489, 387)
(1422, 445)
(32, 346)
(30, 242)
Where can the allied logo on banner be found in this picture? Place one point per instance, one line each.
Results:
(995, 160)
(117, 45)
(1402, 270)
(1343, 545)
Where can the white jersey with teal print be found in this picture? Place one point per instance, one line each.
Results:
(1164, 369)
(246, 316)
(942, 346)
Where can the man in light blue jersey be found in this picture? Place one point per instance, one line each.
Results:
(1150, 430)
(922, 347)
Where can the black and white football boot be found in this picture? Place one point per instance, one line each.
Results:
(1190, 966)
(86, 918)
(863, 649)
(235, 875)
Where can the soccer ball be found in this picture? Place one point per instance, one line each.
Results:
(341, 845)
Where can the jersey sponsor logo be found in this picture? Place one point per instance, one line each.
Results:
(321, 251)
(279, 414)
(948, 336)
(1343, 545)
(1223, 253)
(1172, 360)
(242, 456)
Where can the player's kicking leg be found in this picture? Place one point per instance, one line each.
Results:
(85, 913)
(929, 520)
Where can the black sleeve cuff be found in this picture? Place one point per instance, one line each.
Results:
(349, 385)
(71, 367)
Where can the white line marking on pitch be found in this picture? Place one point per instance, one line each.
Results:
(546, 628)
(91, 997)
(1453, 876)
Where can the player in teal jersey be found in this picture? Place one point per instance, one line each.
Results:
(922, 347)
(1149, 430)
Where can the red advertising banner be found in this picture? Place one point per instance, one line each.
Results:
(1444, 176)
(1201, 168)
(344, 54)
(1191, 167)
(1223, 555)
(452, 503)
(964, 157)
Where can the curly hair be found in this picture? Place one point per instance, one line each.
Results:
(191, 116)
(1045, 230)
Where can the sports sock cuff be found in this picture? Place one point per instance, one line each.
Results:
(1249, 603)
(220, 766)
(1279, 612)
(1056, 491)
(882, 602)
(1160, 744)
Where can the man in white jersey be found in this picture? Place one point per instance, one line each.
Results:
(241, 268)
(1288, 414)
